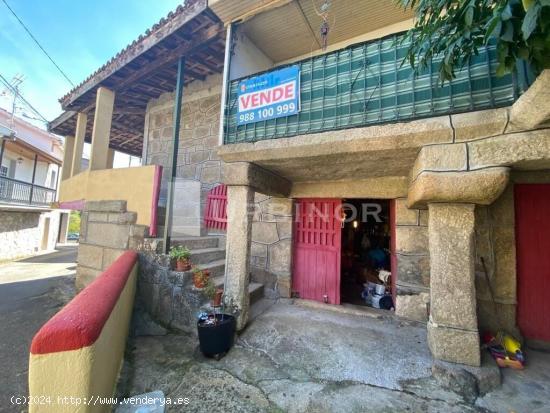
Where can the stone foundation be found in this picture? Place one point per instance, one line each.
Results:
(106, 231)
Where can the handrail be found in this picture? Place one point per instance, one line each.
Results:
(17, 191)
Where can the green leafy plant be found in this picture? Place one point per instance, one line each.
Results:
(180, 253)
(209, 289)
(457, 29)
(200, 277)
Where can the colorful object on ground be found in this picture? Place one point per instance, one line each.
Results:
(505, 349)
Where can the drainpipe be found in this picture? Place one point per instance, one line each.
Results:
(175, 147)
(226, 82)
(2, 149)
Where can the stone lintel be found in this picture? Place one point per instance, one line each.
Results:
(532, 109)
(481, 187)
(256, 177)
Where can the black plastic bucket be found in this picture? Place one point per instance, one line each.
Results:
(217, 339)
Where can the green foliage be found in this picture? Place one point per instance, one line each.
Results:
(209, 289)
(180, 252)
(457, 29)
(74, 222)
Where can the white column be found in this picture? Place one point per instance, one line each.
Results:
(80, 133)
(68, 151)
(105, 100)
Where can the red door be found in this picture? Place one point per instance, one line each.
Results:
(317, 236)
(215, 214)
(532, 207)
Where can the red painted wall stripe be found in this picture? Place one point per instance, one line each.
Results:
(80, 322)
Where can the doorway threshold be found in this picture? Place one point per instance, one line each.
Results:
(348, 309)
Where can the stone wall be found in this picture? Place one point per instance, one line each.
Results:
(495, 242)
(271, 248)
(197, 154)
(413, 262)
(106, 231)
(21, 233)
(169, 297)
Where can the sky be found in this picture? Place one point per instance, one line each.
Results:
(80, 36)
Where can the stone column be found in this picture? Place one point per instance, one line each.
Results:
(110, 158)
(452, 328)
(237, 263)
(68, 151)
(81, 120)
(105, 100)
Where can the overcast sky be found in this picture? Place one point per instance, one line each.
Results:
(80, 36)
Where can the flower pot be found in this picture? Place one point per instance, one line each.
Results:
(215, 339)
(199, 279)
(217, 300)
(183, 265)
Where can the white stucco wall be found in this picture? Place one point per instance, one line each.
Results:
(248, 59)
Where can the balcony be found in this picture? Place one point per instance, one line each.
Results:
(13, 191)
(366, 84)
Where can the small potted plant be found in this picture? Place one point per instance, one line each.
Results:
(181, 255)
(200, 277)
(213, 293)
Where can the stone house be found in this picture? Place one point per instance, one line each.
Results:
(30, 163)
(457, 174)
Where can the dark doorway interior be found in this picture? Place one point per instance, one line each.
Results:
(366, 244)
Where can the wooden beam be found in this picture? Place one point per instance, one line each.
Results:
(200, 40)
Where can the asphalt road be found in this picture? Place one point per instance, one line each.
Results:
(31, 291)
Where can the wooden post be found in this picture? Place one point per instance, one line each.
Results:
(175, 147)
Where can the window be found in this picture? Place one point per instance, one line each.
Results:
(3, 171)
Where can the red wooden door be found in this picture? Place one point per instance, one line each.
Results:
(215, 214)
(532, 207)
(317, 244)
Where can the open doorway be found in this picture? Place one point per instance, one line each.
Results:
(366, 253)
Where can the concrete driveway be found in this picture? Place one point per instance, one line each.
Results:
(298, 359)
(31, 291)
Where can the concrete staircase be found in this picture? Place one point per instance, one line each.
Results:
(209, 253)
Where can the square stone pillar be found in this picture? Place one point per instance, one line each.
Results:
(105, 100)
(80, 133)
(240, 202)
(110, 158)
(452, 328)
(68, 150)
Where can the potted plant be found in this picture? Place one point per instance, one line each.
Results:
(216, 330)
(213, 293)
(200, 277)
(181, 255)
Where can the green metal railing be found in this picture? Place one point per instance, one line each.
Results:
(365, 84)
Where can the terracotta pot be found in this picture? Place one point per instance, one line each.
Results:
(199, 280)
(183, 265)
(217, 300)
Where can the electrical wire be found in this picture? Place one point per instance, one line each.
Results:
(37, 42)
(12, 89)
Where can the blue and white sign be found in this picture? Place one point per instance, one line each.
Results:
(271, 95)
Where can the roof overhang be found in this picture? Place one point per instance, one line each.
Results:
(146, 69)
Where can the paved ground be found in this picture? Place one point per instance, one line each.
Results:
(297, 359)
(31, 291)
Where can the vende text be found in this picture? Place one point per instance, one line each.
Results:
(259, 99)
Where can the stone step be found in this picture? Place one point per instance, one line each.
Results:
(197, 243)
(216, 268)
(255, 290)
(207, 255)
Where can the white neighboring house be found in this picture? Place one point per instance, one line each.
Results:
(30, 164)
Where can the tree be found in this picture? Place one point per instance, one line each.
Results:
(457, 29)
